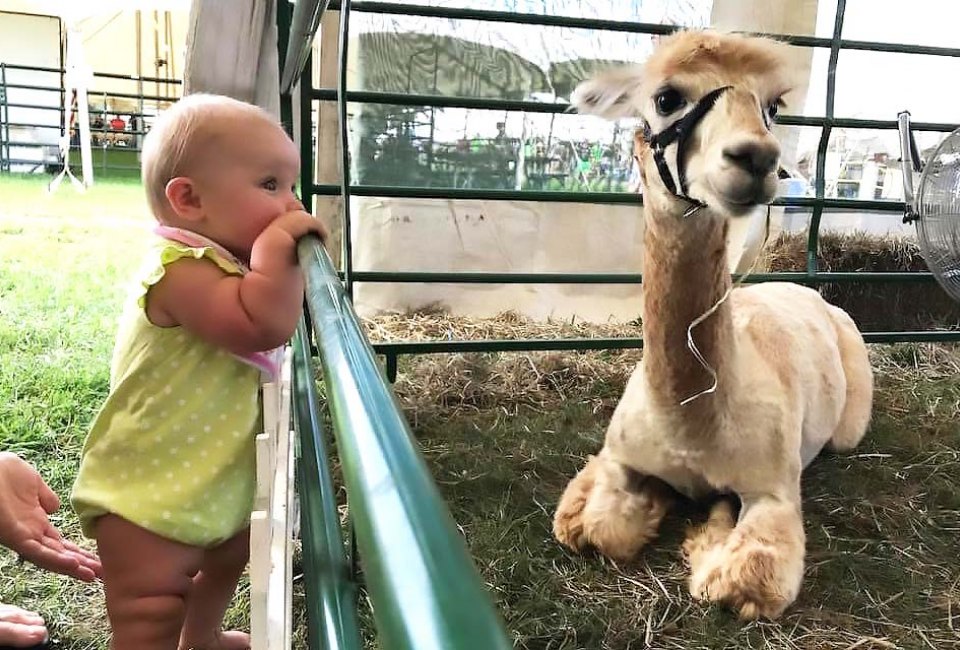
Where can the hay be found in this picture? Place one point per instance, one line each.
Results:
(449, 385)
(856, 251)
(887, 306)
(436, 325)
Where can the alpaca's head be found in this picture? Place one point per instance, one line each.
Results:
(729, 157)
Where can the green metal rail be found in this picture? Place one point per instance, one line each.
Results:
(330, 589)
(811, 275)
(426, 594)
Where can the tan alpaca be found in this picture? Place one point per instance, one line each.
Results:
(792, 371)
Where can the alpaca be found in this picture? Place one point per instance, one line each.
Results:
(781, 372)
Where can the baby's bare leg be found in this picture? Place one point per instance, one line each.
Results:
(213, 589)
(147, 579)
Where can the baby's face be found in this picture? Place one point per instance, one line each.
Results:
(248, 184)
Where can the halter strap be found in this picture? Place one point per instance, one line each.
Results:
(680, 132)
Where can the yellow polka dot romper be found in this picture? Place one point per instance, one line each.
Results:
(172, 449)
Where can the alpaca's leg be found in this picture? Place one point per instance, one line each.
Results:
(757, 567)
(859, 375)
(611, 508)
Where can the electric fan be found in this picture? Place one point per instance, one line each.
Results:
(935, 207)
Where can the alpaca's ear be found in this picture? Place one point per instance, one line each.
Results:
(611, 94)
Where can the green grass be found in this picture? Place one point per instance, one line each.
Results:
(882, 523)
(502, 435)
(65, 262)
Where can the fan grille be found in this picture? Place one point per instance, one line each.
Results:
(938, 203)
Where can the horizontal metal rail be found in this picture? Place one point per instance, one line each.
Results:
(563, 108)
(544, 20)
(465, 277)
(39, 107)
(399, 348)
(60, 109)
(104, 75)
(95, 93)
(29, 145)
(392, 351)
(425, 591)
(58, 128)
(402, 191)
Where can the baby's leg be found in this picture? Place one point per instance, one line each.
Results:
(212, 592)
(147, 579)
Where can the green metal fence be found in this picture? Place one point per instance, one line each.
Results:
(818, 203)
(424, 591)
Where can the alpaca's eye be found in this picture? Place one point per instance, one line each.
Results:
(774, 108)
(669, 100)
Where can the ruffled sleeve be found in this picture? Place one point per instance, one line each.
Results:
(168, 253)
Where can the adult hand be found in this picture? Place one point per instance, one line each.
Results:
(25, 502)
(20, 628)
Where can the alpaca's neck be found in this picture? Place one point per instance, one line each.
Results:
(685, 273)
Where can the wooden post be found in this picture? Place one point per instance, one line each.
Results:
(272, 522)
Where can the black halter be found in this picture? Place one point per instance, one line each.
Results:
(680, 132)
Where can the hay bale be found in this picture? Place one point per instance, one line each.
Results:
(886, 306)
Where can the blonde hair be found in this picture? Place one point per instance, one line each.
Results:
(181, 135)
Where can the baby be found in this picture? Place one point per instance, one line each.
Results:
(167, 477)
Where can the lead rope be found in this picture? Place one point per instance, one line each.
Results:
(691, 344)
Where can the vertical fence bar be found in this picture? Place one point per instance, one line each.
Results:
(813, 237)
(4, 120)
(283, 39)
(347, 262)
(303, 27)
(306, 134)
(391, 368)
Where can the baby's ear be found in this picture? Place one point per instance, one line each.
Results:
(184, 200)
(611, 94)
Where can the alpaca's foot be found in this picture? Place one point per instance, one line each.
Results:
(756, 567)
(709, 537)
(610, 508)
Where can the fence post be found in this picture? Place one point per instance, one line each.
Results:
(4, 121)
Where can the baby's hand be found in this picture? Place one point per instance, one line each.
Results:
(275, 249)
(298, 223)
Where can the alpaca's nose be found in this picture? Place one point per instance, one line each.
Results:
(756, 157)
